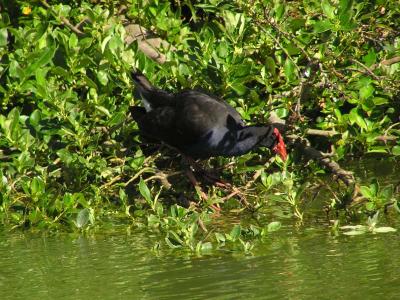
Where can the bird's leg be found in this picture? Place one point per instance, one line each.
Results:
(199, 190)
(195, 183)
(206, 175)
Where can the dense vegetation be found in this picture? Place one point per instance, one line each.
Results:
(71, 156)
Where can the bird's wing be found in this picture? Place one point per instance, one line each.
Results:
(200, 113)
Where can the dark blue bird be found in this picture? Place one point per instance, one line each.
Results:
(199, 125)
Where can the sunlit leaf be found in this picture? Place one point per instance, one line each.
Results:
(235, 232)
(328, 9)
(274, 226)
(354, 232)
(102, 77)
(83, 218)
(366, 192)
(3, 37)
(207, 246)
(322, 26)
(145, 192)
(290, 70)
(380, 100)
(384, 229)
(366, 91)
(396, 150)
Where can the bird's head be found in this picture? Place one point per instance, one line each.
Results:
(280, 147)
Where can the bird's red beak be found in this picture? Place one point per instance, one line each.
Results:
(280, 147)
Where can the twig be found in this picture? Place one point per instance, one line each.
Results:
(318, 132)
(111, 182)
(65, 21)
(162, 177)
(140, 172)
(369, 70)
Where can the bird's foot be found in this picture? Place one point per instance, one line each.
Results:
(203, 196)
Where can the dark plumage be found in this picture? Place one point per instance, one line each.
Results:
(198, 124)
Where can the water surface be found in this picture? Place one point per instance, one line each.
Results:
(307, 262)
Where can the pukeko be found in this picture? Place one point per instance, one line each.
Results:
(199, 125)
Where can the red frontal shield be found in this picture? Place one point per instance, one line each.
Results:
(280, 147)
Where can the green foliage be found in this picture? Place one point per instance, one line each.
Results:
(377, 197)
(69, 155)
(370, 227)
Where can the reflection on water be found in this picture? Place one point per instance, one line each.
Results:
(290, 265)
(385, 169)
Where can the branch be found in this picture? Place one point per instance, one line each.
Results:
(368, 70)
(318, 132)
(65, 21)
(313, 154)
(149, 46)
(386, 62)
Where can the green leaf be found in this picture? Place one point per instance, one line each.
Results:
(73, 41)
(103, 110)
(3, 37)
(374, 187)
(13, 123)
(37, 186)
(83, 218)
(322, 26)
(15, 70)
(290, 70)
(170, 244)
(396, 150)
(345, 6)
(40, 75)
(384, 229)
(366, 192)
(102, 77)
(104, 43)
(279, 10)
(220, 237)
(380, 100)
(387, 193)
(274, 226)
(270, 65)
(238, 86)
(145, 192)
(45, 57)
(345, 15)
(206, 246)
(356, 118)
(235, 232)
(117, 119)
(366, 91)
(329, 10)
(355, 232)
(370, 58)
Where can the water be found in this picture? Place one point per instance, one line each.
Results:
(294, 263)
(291, 265)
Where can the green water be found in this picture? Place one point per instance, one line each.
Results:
(305, 262)
(311, 264)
